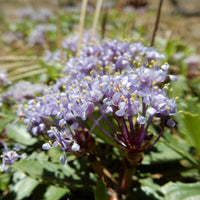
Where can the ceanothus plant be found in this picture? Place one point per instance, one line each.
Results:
(120, 83)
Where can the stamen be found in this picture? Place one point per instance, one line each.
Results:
(155, 87)
(167, 108)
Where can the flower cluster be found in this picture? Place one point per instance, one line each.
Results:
(55, 57)
(118, 82)
(9, 157)
(41, 14)
(11, 37)
(38, 34)
(21, 91)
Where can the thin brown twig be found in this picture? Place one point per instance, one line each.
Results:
(156, 23)
(103, 24)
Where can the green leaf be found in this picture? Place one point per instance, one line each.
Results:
(31, 167)
(6, 118)
(172, 191)
(55, 193)
(179, 86)
(53, 174)
(191, 125)
(24, 187)
(4, 180)
(189, 104)
(170, 48)
(195, 84)
(181, 191)
(150, 188)
(55, 154)
(37, 169)
(164, 153)
(178, 145)
(41, 156)
(20, 135)
(170, 147)
(100, 192)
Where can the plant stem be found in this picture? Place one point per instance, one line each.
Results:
(128, 170)
(156, 23)
(95, 162)
(96, 16)
(81, 24)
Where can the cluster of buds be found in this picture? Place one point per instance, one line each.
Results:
(117, 82)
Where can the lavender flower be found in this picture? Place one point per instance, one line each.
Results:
(104, 81)
(55, 57)
(21, 91)
(151, 54)
(26, 13)
(11, 37)
(9, 157)
(38, 34)
(41, 14)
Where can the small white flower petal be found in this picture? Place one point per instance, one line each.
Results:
(46, 146)
(173, 77)
(151, 111)
(165, 67)
(75, 147)
(141, 119)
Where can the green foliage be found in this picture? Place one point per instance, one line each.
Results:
(23, 27)
(24, 187)
(4, 180)
(171, 190)
(191, 122)
(19, 134)
(48, 172)
(180, 146)
(176, 46)
(179, 86)
(150, 188)
(181, 191)
(195, 85)
(53, 70)
(55, 193)
(100, 192)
